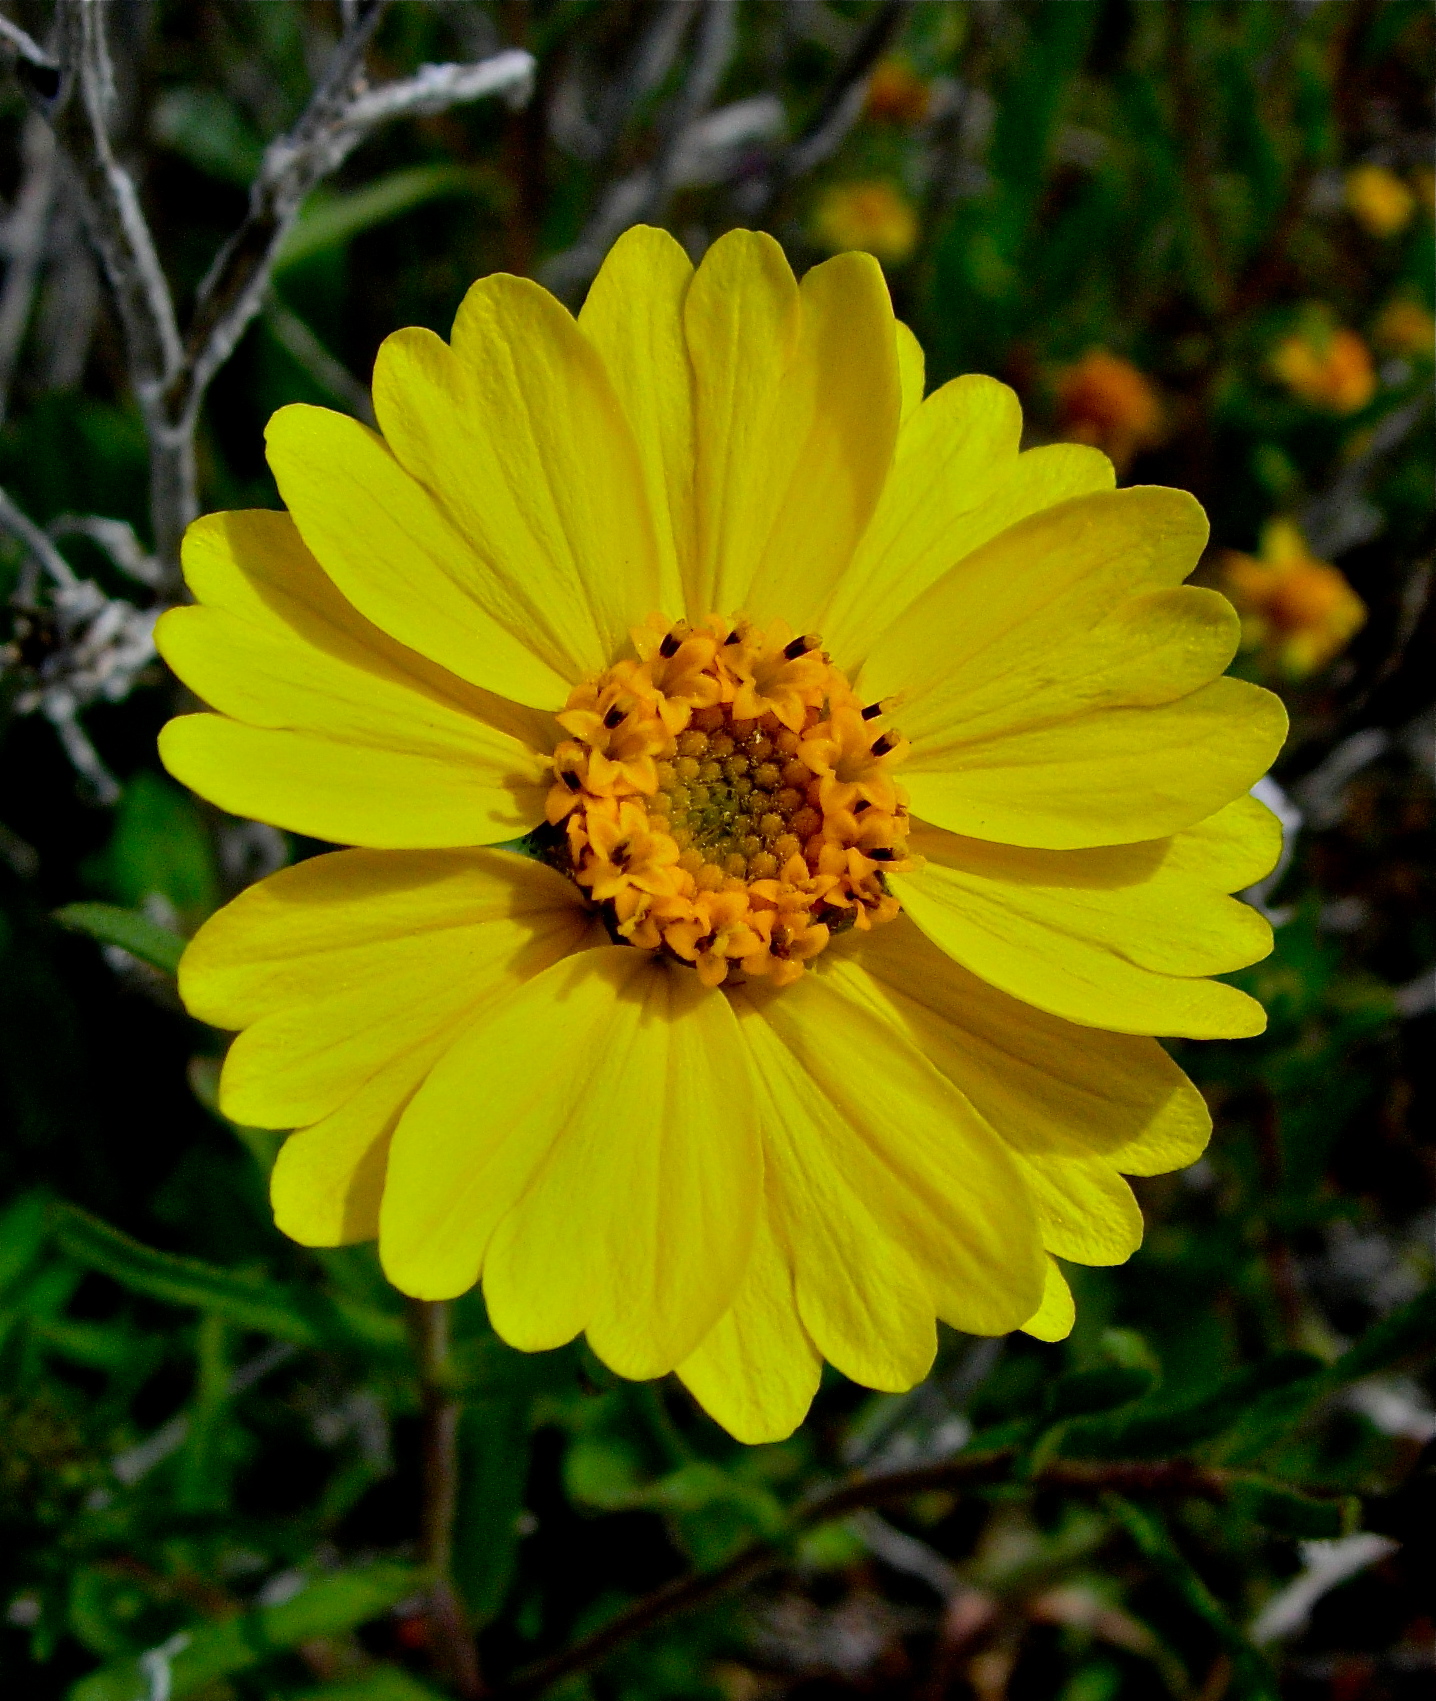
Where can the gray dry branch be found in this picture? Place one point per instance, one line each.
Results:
(97, 646)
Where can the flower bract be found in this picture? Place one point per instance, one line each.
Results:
(780, 814)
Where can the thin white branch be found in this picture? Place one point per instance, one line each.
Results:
(318, 144)
(24, 46)
(41, 549)
(435, 88)
(117, 225)
(117, 539)
(84, 758)
(25, 244)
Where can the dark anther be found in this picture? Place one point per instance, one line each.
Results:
(668, 648)
(872, 711)
(571, 780)
(614, 717)
(734, 637)
(861, 805)
(881, 746)
(882, 853)
(800, 647)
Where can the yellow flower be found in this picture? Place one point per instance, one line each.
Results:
(873, 1046)
(897, 93)
(1106, 401)
(1299, 610)
(1379, 201)
(1326, 367)
(1405, 327)
(874, 217)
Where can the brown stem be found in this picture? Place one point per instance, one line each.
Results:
(685, 1594)
(451, 1641)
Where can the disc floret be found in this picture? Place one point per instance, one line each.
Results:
(725, 798)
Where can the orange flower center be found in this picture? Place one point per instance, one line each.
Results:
(724, 797)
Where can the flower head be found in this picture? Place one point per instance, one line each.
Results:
(875, 217)
(1300, 612)
(883, 797)
(897, 93)
(1405, 327)
(1328, 367)
(1106, 401)
(1379, 201)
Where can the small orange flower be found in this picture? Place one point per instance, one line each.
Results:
(1107, 402)
(874, 217)
(1300, 611)
(897, 93)
(1378, 200)
(1405, 327)
(1327, 367)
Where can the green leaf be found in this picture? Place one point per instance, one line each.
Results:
(130, 929)
(383, 1683)
(330, 221)
(1288, 1512)
(204, 127)
(493, 1471)
(1083, 1392)
(1157, 1431)
(160, 852)
(1154, 1542)
(251, 1302)
(23, 1227)
(1407, 1333)
(328, 1607)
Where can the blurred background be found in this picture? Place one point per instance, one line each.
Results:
(1196, 235)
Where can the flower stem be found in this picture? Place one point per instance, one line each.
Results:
(451, 1642)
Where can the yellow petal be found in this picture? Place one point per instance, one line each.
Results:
(634, 318)
(1085, 1211)
(328, 1180)
(919, 1163)
(1047, 1086)
(1109, 777)
(742, 322)
(518, 436)
(338, 965)
(842, 404)
(1038, 680)
(912, 369)
(1111, 937)
(342, 792)
(402, 752)
(756, 1370)
(395, 553)
(957, 481)
(860, 1296)
(1053, 1319)
(593, 1147)
(797, 400)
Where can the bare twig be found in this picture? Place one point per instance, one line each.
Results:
(72, 295)
(39, 547)
(118, 540)
(1178, 1477)
(25, 243)
(837, 112)
(170, 374)
(450, 1639)
(644, 194)
(24, 46)
(328, 132)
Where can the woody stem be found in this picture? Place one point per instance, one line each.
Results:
(451, 1641)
